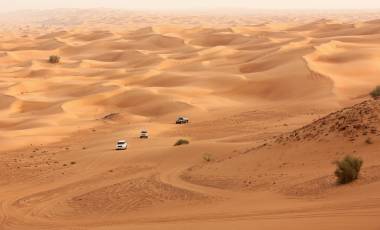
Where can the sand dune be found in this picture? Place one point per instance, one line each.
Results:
(287, 162)
(273, 99)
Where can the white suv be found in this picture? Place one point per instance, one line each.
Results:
(182, 120)
(121, 145)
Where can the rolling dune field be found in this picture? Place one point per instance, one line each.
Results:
(272, 104)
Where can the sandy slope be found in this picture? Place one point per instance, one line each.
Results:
(245, 87)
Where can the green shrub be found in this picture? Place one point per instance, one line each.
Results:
(182, 142)
(207, 157)
(54, 59)
(375, 93)
(347, 169)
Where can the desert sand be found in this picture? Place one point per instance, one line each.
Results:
(273, 101)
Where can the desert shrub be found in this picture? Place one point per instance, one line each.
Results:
(348, 169)
(182, 142)
(207, 157)
(375, 93)
(369, 141)
(54, 59)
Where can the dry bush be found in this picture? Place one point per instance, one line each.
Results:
(207, 157)
(54, 59)
(375, 93)
(369, 141)
(347, 169)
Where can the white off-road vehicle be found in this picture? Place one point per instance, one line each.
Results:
(121, 145)
(182, 120)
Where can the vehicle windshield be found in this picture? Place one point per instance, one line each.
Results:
(121, 142)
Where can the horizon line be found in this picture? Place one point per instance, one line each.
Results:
(192, 9)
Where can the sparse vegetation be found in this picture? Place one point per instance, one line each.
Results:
(207, 157)
(182, 142)
(54, 59)
(375, 93)
(348, 169)
(369, 141)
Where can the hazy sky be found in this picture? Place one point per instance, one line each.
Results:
(9, 5)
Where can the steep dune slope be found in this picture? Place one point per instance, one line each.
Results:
(352, 123)
(300, 163)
